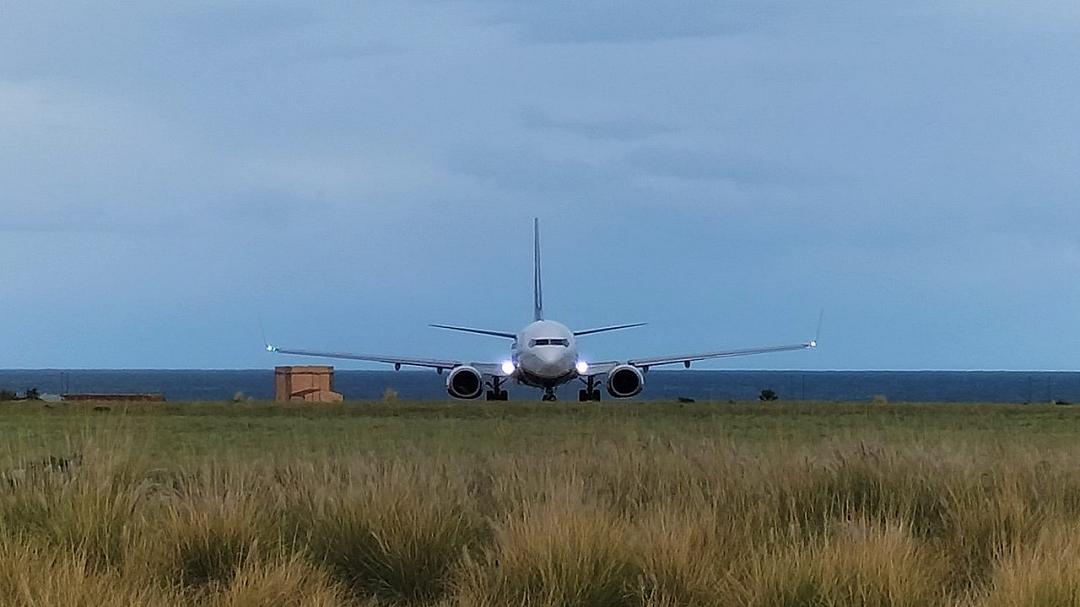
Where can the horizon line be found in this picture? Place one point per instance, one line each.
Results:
(654, 370)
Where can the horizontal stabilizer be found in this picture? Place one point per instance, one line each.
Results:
(503, 334)
(608, 329)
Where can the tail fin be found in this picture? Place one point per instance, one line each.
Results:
(538, 286)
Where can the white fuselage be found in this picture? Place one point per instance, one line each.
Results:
(545, 355)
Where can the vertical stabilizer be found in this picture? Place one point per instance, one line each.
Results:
(538, 286)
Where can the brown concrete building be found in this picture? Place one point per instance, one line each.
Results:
(312, 384)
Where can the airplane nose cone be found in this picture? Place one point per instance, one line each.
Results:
(549, 363)
(549, 356)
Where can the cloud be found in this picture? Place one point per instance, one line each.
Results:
(620, 190)
(584, 21)
(237, 20)
(625, 129)
(766, 144)
(261, 209)
(526, 170)
(691, 164)
(593, 21)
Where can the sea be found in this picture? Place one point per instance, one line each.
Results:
(894, 386)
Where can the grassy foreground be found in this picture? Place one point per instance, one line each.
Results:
(523, 504)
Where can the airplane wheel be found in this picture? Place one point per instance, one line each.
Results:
(548, 398)
(584, 396)
(503, 395)
(491, 395)
(596, 395)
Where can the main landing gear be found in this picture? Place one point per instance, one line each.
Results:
(496, 392)
(591, 393)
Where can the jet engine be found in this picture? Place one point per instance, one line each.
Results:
(465, 383)
(625, 381)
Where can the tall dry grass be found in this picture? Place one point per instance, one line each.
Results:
(638, 522)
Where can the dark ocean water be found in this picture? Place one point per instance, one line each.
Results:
(909, 386)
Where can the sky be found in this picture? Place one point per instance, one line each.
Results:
(179, 179)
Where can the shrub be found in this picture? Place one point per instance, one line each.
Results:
(393, 534)
(89, 509)
(553, 555)
(284, 582)
(865, 564)
(31, 575)
(214, 523)
(1046, 573)
(685, 556)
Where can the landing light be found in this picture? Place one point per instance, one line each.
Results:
(508, 367)
(582, 367)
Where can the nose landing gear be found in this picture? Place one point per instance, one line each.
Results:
(549, 395)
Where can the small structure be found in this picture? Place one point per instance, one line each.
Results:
(311, 384)
(115, 398)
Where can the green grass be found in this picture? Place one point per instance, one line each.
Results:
(175, 432)
(635, 504)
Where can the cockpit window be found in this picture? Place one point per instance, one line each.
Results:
(565, 343)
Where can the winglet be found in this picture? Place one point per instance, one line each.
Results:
(538, 286)
(817, 335)
(266, 342)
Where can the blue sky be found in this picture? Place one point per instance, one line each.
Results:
(348, 172)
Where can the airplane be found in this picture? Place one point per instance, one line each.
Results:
(544, 355)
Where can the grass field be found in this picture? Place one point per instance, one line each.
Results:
(527, 504)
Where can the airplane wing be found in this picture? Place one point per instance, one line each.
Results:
(430, 363)
(602, 368)
(493, 369)
(686, 359)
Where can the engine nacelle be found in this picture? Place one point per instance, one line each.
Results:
(465, 383)
(625, 381)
